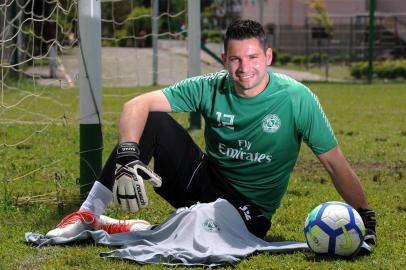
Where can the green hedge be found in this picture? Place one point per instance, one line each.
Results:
(285, 58)
(383, 70)
(299, 59)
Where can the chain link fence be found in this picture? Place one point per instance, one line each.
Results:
(347, 41)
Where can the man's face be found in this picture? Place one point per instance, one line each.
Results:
(247, 64)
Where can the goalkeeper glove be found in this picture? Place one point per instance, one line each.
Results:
(128, 189)
(369, 219)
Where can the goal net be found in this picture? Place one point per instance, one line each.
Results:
(39, 70)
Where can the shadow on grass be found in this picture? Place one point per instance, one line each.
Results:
(275, 238)
(77, 243)
(313, 257)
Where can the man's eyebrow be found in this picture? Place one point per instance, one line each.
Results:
(238, 56)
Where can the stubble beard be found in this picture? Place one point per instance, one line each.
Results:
(243, 87)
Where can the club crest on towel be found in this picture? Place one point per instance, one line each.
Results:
(211, 226)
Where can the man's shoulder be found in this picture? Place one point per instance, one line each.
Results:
(292, 87)
(211, 77)
(206, 80)
(286, 81)
(219, 75)
(214, 82)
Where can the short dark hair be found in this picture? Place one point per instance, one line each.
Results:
(245, 29)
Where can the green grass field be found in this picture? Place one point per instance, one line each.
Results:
(40, 167)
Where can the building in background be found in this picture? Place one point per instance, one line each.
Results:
(291, 29)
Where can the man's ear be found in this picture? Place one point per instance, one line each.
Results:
(224, 58)
(268, 56)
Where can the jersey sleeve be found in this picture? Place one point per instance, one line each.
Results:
(312, 122)
(186, 95)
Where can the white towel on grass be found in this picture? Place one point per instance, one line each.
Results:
(206, 234)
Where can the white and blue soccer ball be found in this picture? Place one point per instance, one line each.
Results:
(334, 228)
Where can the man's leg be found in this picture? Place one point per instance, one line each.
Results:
(187, 175)
(177, 160)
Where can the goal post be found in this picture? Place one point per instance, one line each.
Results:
(194, 47)
(91, 139)
(42, 110)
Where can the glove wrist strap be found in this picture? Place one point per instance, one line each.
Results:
(127, 152)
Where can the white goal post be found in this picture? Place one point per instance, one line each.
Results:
(50, 48)
(91, 139)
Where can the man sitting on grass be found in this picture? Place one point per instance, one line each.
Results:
(255, 121)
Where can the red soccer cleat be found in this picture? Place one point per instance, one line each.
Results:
(73, 224)
(111, 225)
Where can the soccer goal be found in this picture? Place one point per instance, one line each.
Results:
(56, 55)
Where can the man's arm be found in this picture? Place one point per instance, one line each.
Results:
(344, 178)
(349, 187)
(135, 113)
(128, 189)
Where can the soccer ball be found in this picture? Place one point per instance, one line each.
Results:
(334, 228)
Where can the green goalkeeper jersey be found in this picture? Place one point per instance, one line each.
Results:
(255, 141)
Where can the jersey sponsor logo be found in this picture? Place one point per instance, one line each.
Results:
(211, 226)
(242, 154)
(271, 123)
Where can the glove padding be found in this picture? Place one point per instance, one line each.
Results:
(128, 189)
(369, 219)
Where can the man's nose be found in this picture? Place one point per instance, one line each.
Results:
(244, 65)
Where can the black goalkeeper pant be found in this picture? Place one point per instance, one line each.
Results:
(187, 174)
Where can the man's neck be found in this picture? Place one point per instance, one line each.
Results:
(253, 91)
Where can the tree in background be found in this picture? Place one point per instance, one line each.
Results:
(128, 23)
(321, 16)
(138, 26)
(43, 22)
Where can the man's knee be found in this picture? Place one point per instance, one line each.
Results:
(156, 118)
